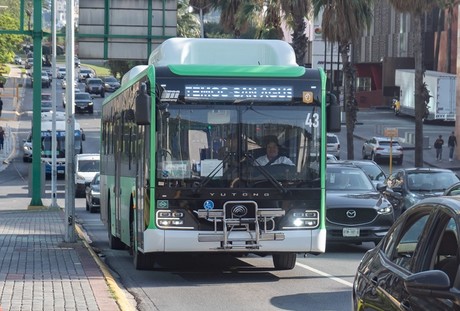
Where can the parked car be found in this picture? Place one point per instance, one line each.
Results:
(86, 167)
(111, 84)
(333, 145)
(378, 148)
(27, 148)
(83, 102)
(414, 184)
(415, 265)
(77, 62)
(84, 74)
(356, 211)
(95, 86)
(93, 195)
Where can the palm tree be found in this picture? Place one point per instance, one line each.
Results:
(415, 8)
(343, 21)
(267, 15)
(296, 13)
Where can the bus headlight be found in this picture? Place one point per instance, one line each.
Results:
(302, 220)
(170, 219)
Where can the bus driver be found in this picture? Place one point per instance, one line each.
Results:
(272, 156)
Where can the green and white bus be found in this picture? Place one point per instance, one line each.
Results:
(180, 147)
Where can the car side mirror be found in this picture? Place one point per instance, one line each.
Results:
(434, 283)
(381, 187)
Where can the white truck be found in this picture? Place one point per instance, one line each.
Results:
(442, 88)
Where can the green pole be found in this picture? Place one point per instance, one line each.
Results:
(36, 119)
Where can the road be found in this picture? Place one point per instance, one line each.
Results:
(192, 282)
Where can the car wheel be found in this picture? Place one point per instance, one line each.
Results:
(399, 161)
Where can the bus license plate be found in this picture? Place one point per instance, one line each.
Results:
(350, 232)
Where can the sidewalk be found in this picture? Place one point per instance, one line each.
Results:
(38, 270)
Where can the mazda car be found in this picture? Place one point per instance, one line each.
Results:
(415, 266)
(356, 210)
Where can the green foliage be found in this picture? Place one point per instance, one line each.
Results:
(118, 68)
(8, 43)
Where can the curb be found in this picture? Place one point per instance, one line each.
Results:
(119, 295)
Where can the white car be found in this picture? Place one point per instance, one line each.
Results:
(333, 145)
(86, 167)
(378, 148)
(61, 73)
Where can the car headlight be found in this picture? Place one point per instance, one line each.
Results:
(90, 103)
(385, 207)
(27, 148)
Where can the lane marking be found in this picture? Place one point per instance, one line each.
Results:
(329, 276)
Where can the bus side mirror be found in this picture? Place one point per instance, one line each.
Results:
(333, 122)
(142, 107)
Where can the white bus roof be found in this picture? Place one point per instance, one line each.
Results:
(48, 116)
(223, 52)
(132, 73)
(60, 126)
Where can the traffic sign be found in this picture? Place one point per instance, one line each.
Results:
(390, 132)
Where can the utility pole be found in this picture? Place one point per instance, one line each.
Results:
(53, 100)
(70, 126)
(36, 119)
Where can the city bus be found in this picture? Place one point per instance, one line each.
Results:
(182, 143)
(46, 142)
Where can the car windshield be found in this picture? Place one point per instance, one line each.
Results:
(82, 96)
(374, 172)
(110, 79)
(88, 165)
(95, 81)
(46, 97)
(331, 139)
(347, 178)
(431, 181)
(85, 71)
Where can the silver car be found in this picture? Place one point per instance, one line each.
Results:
(378, 148)
(333, 145)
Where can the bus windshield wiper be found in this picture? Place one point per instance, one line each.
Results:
(265, 173)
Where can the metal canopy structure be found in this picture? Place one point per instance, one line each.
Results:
(124, 29)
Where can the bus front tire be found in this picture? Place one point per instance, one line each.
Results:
(143, 261)
(284, 261)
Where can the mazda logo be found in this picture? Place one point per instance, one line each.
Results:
(239, 211)
(351, 213)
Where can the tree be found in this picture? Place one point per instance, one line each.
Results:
(8, 43)
(267, 16)
(297, 11)
(188, 25)
(343, 21)
(416, 8)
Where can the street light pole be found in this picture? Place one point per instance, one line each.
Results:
(200, 9)
(53, 100)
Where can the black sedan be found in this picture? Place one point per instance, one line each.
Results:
(415, 266)
(356, 211)
(93, 194)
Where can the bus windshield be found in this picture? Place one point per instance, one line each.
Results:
(218, 145)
